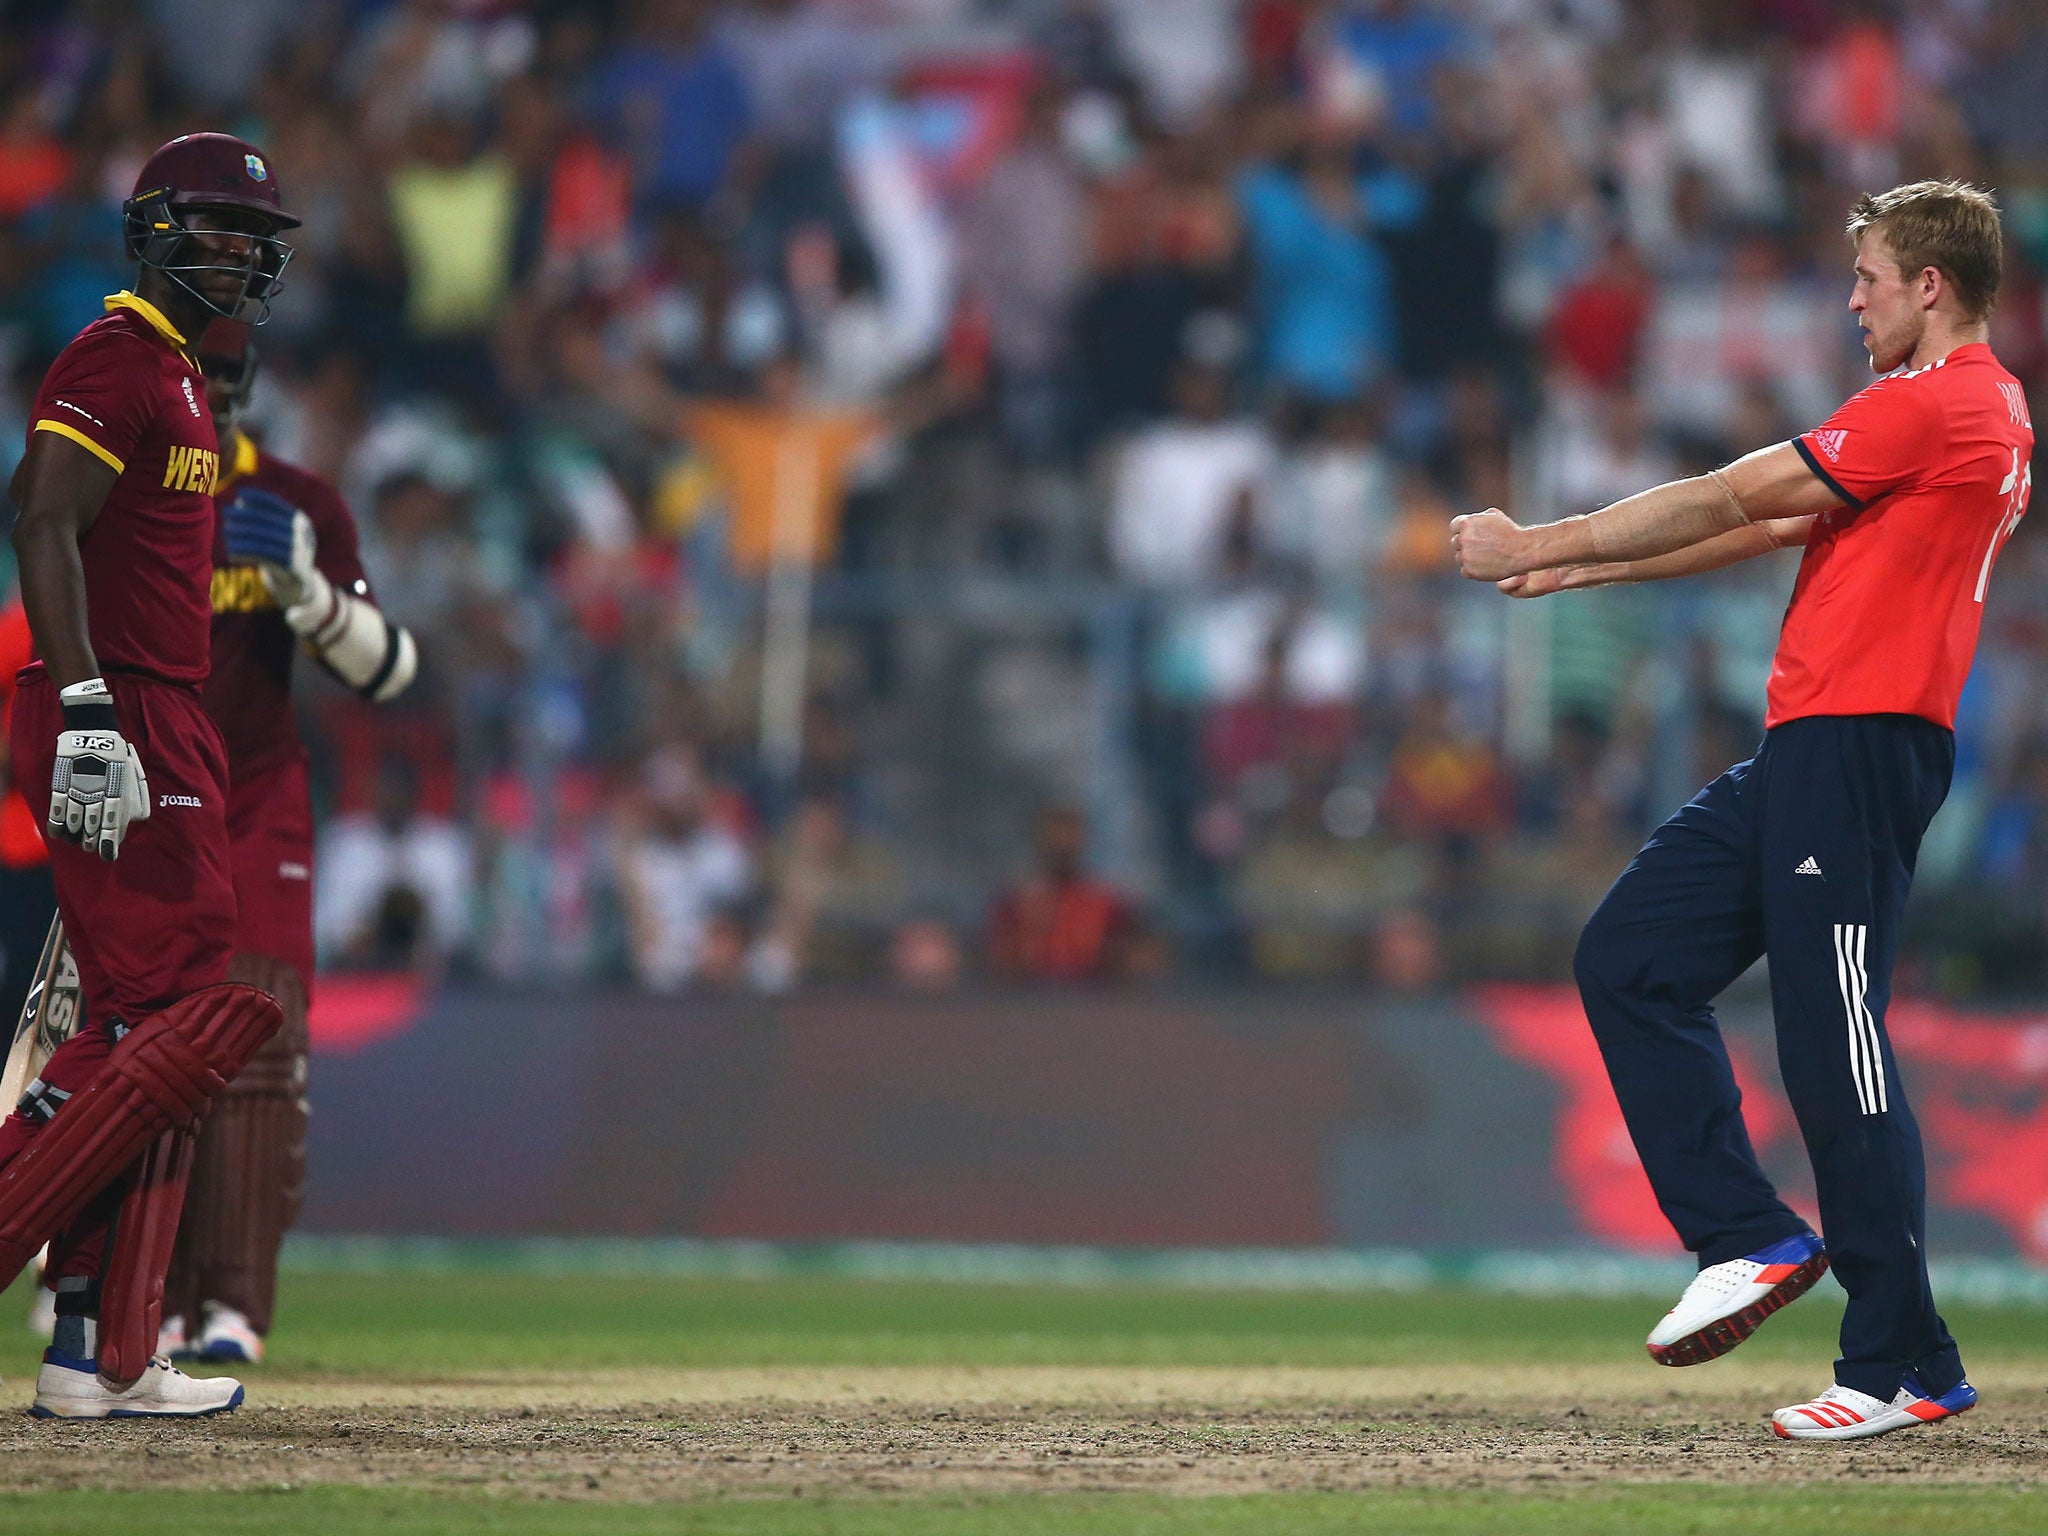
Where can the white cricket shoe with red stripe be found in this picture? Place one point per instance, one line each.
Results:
(1726, 1303)
(1842, 1413)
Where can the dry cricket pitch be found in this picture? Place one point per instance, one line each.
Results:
(849, 1431)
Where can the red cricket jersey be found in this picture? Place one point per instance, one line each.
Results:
(126, 390)
(250, 692)
(1933, 470)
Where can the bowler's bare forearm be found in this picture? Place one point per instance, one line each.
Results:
(1773, 484)
(1675, 516)
(1711, 554)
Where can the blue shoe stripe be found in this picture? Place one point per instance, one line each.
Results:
(1796, 1249)
(1955, 1400)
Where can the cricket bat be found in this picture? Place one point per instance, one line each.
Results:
(49, 1017)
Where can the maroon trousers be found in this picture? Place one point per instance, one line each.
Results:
(147, 929)
(270, 856)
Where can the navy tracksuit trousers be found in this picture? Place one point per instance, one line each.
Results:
(1803, 854)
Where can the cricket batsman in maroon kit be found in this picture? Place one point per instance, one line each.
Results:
(115, 539)
(287, 575)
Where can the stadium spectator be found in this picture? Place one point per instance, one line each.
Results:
(1443, 785)
(454, 208)
(1178, 484)
(680, 875)
(1333, 508)
(672, 96)
(1023, 248)
(395, 884)
(1597, 324)
(830, 887)
(1060, 924)
(1392, 50)
(35, 163)
(1320, 278)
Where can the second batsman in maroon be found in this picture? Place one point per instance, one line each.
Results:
(287, 577)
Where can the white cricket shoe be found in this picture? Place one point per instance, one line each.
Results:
(171, 1342)
(1726, 1303)
(1842, 1413)
(228, 1336)
(42, 1314)
(74, 1389)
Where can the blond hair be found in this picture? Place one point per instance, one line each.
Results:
(1950, 226)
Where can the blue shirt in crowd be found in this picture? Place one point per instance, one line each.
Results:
(1323, 287)
(1405, 48)
(679, 115)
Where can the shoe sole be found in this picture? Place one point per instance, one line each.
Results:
(40, 1412)
(1870, 1431)
(1724, 1333)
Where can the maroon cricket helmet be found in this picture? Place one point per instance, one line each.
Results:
(211, 171)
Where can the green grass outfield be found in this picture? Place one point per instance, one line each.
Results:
(400, 1326)
(394, 1327)
(435, 1327)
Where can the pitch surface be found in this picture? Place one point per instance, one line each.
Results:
(472, 1386)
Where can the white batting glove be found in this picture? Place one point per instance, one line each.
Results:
(97, 788)
(294, 583)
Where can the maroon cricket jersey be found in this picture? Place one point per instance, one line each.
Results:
(128, 392)
(250, 692)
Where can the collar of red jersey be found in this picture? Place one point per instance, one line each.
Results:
(126, 300)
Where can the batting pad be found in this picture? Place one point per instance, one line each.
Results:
(161, 1077)
(145, 1229)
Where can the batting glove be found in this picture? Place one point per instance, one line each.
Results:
(97, 788)
(263, 527)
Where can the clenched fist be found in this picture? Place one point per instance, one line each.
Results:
(1488, 545)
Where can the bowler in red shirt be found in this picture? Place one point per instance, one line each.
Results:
(1901, 501)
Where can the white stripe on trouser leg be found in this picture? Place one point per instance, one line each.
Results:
(1869, 1023)
(1853, 936)
(1857, 1070)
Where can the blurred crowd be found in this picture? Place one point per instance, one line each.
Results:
(916, 490)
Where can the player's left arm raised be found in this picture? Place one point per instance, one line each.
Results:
(1772, 486)
(345, 629)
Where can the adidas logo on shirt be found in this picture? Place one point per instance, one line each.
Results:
(1831, 442)
(1810, 867)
